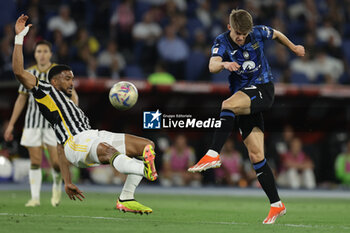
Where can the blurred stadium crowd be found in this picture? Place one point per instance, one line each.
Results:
(127, 38)
(140, 39)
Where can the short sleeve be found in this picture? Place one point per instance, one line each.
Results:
(41, 86)
(22, 90)
(218, 48)
(265, 32)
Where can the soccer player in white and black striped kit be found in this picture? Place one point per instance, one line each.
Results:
(78, 143)
(37, 132)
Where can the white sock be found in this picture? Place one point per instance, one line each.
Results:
(126, 165)
(57, 180)
(277, 204)
(212, 153)
(35, 178)
(132, 181)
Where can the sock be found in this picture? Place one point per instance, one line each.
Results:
(276, 204)
(35, 178)
(132, 181)
(221, 134)
(126, 165)
(266, 180)
(57, 179)
(212, 153)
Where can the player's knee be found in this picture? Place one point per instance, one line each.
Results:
(230, 105)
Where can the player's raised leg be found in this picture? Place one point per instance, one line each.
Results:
(35, 176)
(255, 145)
(237, 104)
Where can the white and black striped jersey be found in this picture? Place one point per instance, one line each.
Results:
(65, 117)
(33, 118)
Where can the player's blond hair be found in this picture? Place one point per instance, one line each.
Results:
(241, 20)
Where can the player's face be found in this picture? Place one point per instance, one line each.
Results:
(65, 82)
(237, 36)
(42, 54)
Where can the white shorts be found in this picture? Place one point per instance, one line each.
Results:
(81, 150)
(34, 137)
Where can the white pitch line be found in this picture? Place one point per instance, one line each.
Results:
(192, 222)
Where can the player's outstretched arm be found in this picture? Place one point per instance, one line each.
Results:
(71, 190)
(299, 50)
(17, 110)
(216, 65)
(27, 79)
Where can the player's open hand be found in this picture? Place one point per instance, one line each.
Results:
(231, 66)
(21, 24)
(299, 50)
(73, 192)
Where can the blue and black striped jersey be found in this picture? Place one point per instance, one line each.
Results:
(250, 56)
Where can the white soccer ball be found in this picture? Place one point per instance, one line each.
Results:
(123, 95)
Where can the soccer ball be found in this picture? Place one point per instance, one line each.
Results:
(123, 95)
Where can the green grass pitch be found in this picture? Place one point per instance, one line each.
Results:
(171, 213)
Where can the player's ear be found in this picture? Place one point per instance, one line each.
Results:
(229, 27)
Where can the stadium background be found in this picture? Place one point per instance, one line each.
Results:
(311, 93)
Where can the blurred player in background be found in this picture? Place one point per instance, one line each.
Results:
(78, 144)
(241, 51)
(37, 132)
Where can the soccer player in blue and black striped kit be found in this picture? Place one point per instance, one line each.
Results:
(241, 51)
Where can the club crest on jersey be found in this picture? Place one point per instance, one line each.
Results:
(246, 55)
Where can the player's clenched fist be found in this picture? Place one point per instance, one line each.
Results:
(299, 50)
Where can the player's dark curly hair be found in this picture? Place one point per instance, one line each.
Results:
(57, 70)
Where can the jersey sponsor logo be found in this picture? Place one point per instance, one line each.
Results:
(215, 50)
(249, 67)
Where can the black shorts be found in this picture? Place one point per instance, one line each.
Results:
(246, 123)
(262, 97)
